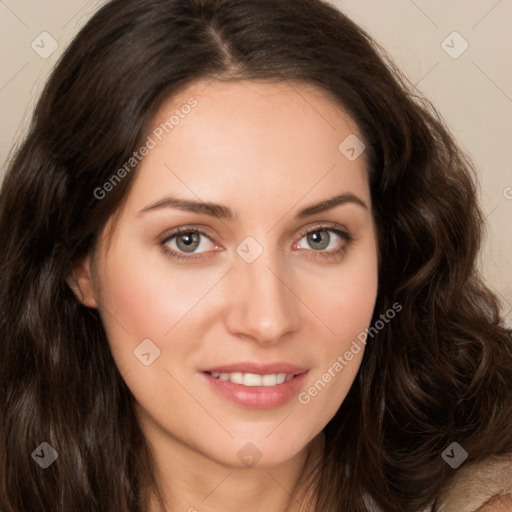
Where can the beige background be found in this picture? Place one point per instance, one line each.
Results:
(473, 92)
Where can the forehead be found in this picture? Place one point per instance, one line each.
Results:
(255, 114)
(262, 146)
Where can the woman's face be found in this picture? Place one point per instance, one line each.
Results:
(280, 279)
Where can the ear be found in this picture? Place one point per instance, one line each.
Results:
(81, 282)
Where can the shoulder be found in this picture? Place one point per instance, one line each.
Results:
(484, 486)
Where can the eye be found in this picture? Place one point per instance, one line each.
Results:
(184, 242)
(325, 241)
(190, 243)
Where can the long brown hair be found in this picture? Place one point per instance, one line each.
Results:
(441, 373)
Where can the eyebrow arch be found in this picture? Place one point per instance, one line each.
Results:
(220, 211)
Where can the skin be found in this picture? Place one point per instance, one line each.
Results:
(266, 150)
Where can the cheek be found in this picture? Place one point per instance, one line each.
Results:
(145, 308)
(147, 295)
(344, 301)
(343, 297)
(144, 296)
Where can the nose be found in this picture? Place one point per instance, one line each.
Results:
(263, 303)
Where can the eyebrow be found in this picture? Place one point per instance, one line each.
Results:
(220, 211)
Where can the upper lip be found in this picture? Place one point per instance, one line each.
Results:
(257, 368)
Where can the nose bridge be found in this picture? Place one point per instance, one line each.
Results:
(263, 304)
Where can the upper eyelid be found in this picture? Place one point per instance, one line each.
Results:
(171, 233)
(328, 226)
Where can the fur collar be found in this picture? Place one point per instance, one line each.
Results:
(478, 483)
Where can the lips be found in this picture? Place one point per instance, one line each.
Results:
(238, 383)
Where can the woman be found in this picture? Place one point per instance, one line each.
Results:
(238, 270)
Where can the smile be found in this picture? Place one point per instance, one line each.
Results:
(256, 391)
(253, 379)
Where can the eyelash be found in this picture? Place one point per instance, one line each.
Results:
(171, 253)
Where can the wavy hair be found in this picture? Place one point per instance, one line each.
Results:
(441, 372)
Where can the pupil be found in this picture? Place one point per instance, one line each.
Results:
(190, 240)
(319, 237)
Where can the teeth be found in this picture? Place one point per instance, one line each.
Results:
(268, 380)
(250, 379)
(253, 379)
(237, 378)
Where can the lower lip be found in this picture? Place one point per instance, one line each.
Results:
(257, 397)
